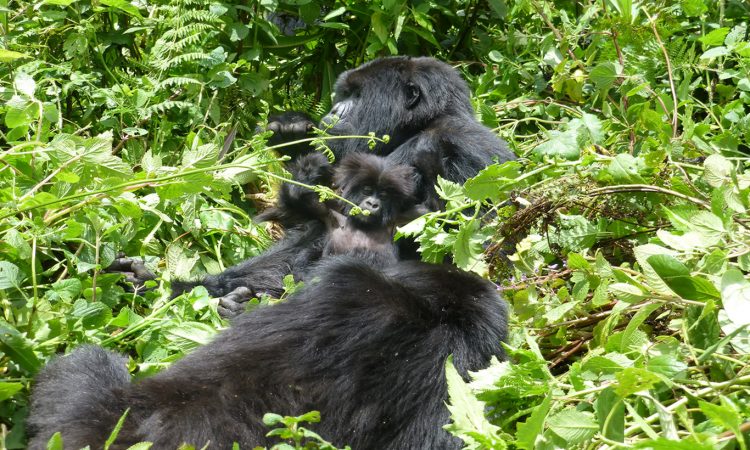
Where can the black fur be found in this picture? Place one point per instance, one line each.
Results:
(425, 107)
(385, 191)
(364, 345)
(316, 229)
(301, 214)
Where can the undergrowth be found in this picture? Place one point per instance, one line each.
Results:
(620, 237)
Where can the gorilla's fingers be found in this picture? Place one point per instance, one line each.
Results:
(141, 272)
(120, 264)
(300, 127)
(233, 303)
(134, 270)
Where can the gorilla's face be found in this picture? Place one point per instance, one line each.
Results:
(382, 189)
(397, 96)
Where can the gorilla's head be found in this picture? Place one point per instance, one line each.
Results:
(370, 182)
(398, 96)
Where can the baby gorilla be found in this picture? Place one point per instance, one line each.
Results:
(382, 190)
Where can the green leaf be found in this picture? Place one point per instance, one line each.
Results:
(493, 182)
(379, 27)
(246, 171)
(594, 127)
(668, 365)
(55, 442)
(642, 253)
(467, 413)
(576, 233)
(625, 169)
(9, 389)
(18, 348)
(200, 157)
(709, 226)
(626, 292)
(633, 380)
(531, 430)
(725, 415)
(123, 5)
(678, 278)
(715, 37)
(562, 145)
(607, 364)
(736, 36)
(412, 228)
(610, 412)
(271, 419)
(25, 84)
(499, 7)
(718, 170)
(7, 56)
(10, 275)
(735, 296)
(631, 330)
(116, 430)
(605, 74)
(715, 53)
(98, 153)
(468, 252)
(574, 426)
(693, 8)
(335, 13)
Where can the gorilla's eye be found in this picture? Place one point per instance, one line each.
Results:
(367, 190)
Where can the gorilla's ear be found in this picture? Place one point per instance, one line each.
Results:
(412, 95)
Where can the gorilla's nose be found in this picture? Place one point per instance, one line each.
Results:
(337, 114)
(372, 205)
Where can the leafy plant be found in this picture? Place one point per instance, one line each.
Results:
(619, 238)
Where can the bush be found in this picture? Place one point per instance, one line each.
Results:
(620, 237)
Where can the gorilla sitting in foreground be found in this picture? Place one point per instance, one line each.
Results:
(383, 191)
(364, 342)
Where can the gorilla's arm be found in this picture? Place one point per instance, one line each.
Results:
(298, 204)
(263, 274)
(453, 148)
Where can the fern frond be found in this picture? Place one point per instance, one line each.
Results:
(178, 81)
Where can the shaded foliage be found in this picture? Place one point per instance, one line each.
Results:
(620, 238)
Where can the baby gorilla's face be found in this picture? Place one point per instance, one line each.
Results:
(383, 190)
(375, 201)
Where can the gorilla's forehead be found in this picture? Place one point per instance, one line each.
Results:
(391, 67)
(423, 70)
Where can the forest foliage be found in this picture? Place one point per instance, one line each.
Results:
(620, 237)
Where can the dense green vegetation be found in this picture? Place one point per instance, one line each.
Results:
(621, 237)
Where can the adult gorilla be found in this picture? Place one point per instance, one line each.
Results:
(362, 343)
(423, 105)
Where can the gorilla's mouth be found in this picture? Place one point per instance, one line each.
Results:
(367, 218)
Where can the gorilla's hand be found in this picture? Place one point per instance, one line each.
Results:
(233, 304)
(134, 270)
(288, 127)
